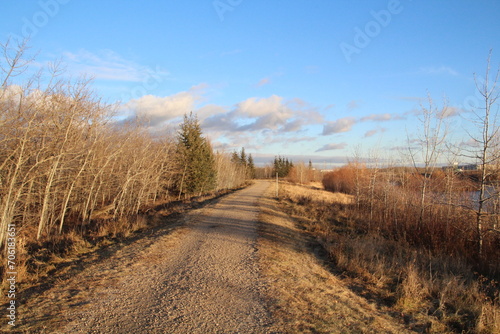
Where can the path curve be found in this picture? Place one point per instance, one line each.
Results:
(208, 281)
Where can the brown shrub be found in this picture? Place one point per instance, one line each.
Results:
(344, 179)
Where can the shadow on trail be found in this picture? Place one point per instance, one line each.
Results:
(162, 220)
(276, 233)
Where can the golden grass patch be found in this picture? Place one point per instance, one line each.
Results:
(308, 298)
(314, 192)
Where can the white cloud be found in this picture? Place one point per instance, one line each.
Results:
(331, 147)
(259, 122)
(163, 107)
(377, 117)
(300, 139)
(341, 125)
(265, 114)
(438, 70)
(345, 124)
(268, 79)
(263, 82)
(253, 123)
(257, 107)
(157, 110)
(108, 65)
(370, 133)
(220, 120)
(374, 132)
(210, 110)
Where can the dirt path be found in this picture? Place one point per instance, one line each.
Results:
(204, 275)
(203, 278)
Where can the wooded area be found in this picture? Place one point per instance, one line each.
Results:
(66, 163)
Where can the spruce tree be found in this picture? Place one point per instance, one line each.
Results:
(276, 165)
(282, 166)
(251, 167)
(196, 158)
(235, 158)
(243, 157)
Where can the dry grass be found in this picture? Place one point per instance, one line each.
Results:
(308, 297)
(314, 191)
(412, 292)
(124, 227)
(435, 294)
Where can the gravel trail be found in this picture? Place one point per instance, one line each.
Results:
(205, 279)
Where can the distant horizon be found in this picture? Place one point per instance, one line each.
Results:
(263, 161)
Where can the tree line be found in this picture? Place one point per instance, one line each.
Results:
(245, 162)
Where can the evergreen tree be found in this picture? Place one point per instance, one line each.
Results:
(196, 158)
(243, 157)
(235, 158)
(251, 167)
(282, 166)
(245, 162)
(310, 172)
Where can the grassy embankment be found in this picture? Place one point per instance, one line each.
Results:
(308, 296)
(423, 292)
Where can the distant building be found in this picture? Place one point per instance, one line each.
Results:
(467, 167)
(461, 168)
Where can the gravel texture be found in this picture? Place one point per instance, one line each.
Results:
(203, 278)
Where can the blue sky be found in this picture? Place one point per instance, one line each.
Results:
(305, 79)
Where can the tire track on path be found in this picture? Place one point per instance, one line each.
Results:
(206, 281)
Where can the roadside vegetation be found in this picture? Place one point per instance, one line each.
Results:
(427, 290)
(72, 177)
(307, 296)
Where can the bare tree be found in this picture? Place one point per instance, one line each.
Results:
(426, 149)
(359, 167)
(486, 148)
(14, 61)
